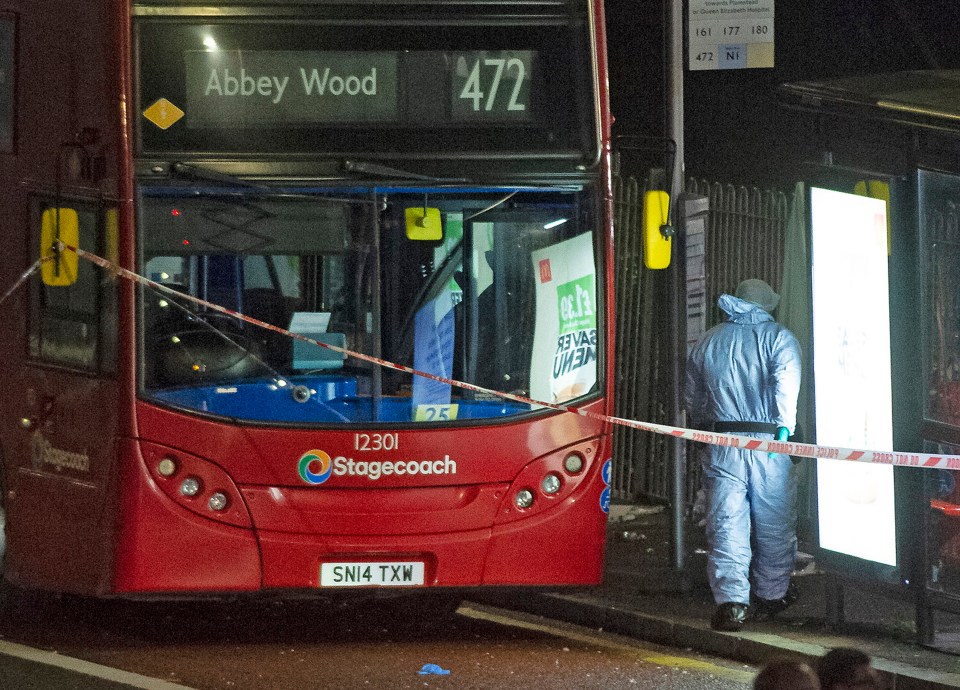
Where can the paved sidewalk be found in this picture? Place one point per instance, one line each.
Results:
(643, 598)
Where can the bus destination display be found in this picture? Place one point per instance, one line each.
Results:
(251, 89)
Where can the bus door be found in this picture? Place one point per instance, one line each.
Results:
(62, 461)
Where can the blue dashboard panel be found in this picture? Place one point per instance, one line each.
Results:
(313, 400)
(401, 409)
(295, 399)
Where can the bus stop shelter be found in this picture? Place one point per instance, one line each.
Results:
(879, 156)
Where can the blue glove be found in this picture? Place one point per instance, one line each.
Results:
(782, 435)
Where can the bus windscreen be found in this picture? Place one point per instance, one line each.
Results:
(503, 298)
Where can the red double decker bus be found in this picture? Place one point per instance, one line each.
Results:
(420, 182)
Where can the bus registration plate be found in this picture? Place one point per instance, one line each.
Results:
(388, 574)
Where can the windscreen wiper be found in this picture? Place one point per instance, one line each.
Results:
(195, 172)
(367, 168)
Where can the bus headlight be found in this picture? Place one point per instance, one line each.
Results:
(218, 501)
(190, 486)
(167, 467)
(523, 499)
(573, 463)
(196, 484)
(550, 484)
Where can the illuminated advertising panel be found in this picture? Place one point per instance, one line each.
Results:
(852, 372)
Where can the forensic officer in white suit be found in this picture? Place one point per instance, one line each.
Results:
(743, 377)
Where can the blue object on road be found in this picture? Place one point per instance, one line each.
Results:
(433, 669)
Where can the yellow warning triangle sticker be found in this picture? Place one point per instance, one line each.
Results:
(163, 113)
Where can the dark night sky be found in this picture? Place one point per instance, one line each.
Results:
(734, 130)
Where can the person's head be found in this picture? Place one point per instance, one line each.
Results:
(786, 674)
(847, 669)
(759, 292)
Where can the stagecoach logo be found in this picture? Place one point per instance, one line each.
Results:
(42, 452)
(316, 467)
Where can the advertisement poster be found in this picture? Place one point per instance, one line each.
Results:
(564, 361)
(852, 373)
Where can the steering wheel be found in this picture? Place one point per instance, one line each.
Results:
(202, 355)
(217, 320)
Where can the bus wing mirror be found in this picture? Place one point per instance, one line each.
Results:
(59, 226)
(423, 223)
(656, 242)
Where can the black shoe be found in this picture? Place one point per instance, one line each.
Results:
(729, 616)
(765, 609)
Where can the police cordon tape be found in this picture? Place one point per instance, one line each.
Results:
(803, 450)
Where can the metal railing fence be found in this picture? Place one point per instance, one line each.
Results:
(744, 239)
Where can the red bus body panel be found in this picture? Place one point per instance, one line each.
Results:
(163, 548)
(468, 534)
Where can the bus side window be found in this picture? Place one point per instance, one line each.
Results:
(64, 315)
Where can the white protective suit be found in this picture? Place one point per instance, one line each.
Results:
(747, 369)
